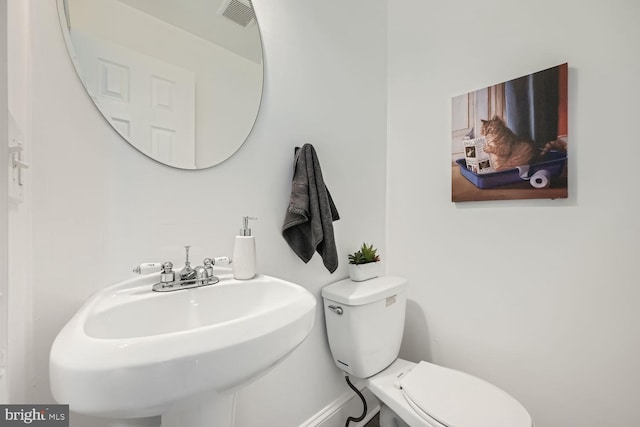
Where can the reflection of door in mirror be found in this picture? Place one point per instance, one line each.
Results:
(147, 100)
(156, 52)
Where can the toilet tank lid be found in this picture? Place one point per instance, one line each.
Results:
(349, 292)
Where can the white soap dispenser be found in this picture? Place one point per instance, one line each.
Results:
(244, 252)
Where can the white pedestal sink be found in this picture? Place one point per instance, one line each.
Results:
(133, 355)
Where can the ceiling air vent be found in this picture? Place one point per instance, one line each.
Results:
(238, 11)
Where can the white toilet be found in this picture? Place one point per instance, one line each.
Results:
(365, 323)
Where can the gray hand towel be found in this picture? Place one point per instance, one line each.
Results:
(308, 224)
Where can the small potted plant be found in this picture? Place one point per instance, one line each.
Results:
(364, 264)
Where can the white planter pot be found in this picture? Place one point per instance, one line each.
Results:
(362, 272)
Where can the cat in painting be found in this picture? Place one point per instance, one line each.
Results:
(506, 149)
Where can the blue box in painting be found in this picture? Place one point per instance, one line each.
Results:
(553, 162)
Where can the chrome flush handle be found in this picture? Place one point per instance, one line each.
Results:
(336, 309)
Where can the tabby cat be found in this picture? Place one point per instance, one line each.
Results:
(506, 149)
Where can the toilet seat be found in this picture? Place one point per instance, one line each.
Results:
(455, 399)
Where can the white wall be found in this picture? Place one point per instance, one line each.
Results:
(546, 306)
(100, 207)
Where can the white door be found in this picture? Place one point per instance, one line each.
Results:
(150, 102)
(4, 204)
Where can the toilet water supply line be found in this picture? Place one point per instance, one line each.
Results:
(364, 404)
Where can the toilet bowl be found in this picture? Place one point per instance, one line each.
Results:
(428, 395)
(365, 323)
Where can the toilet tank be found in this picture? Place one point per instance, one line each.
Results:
(365, 323)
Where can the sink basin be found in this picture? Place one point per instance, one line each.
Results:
(131, 353)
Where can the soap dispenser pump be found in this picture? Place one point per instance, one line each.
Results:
(244, 252)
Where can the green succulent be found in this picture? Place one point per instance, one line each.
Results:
(365, 255)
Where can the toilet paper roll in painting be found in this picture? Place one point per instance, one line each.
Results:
(541, 179)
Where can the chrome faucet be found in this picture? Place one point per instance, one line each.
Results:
(187, 273)
(188, 277)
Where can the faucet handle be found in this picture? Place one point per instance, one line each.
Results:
(208, 266)
(222, 260)
(167, 275)
(147, 267)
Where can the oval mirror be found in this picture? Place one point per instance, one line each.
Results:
(180, 80)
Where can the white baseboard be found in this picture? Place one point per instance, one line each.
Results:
(348, 404)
